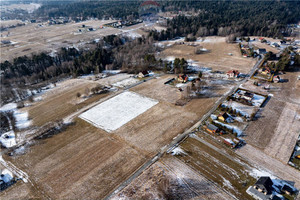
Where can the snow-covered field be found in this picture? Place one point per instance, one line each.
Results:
(117, 111)
(126, 82)
(22, 120)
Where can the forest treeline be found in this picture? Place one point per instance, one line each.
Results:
(243, 18)
(112, 52)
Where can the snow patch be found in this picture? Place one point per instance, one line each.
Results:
(8, 139)
(257, 100)
(178, 151)
(227, 183)
(213, 117)
(169, 58)
(111, 71)
(126, 82)
(117, 111)
(179, 85)
(257, 173)
(239, 119)
(22, 120)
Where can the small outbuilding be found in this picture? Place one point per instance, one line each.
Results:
(212, 128)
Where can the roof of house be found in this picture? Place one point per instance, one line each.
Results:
(275, 197)
(287, 188)
(225, 115)
(212, 127)
(233, 71)
(144, 72)
(297, 153)
(266, 182)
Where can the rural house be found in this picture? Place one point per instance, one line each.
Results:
(261, 51)
(183, 78)
(225, 117)
(244, 95)
(264, 185)
(233, 74)
(6, 179)
(143, 74)
(266, 71)
(212, 128)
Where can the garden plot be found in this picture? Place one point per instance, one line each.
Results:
(117, 111)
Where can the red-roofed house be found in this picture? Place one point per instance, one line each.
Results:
(233, 73)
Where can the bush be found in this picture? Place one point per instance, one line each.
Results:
(30, 99)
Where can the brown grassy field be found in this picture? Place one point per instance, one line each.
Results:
(260, 132)
(86, 162)
(156, 89)
(286, 133)
(32, 38)
(158, 126)
(20, 191)
(81, 162)
(264, 161)
(217, 58)
(171, 179)
(230, 174)
(8, 23)
(275, 130)
(61, 101)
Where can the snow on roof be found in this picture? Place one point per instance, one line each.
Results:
(6, 176)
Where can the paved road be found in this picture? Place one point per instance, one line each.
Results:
(181, 137)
